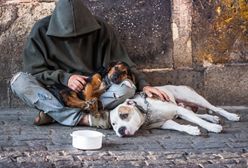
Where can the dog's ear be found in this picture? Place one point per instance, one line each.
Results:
(134, 103)
(124, 112)
(111, 64)
(102, 71)
(130, 75)
(123, 63)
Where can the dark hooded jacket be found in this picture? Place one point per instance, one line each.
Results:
(72, 41)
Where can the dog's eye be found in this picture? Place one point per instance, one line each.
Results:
(123, 116)
(123, 73)
(113, 124)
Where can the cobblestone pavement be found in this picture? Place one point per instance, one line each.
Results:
(24, 145)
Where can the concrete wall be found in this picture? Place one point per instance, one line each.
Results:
(172, 41)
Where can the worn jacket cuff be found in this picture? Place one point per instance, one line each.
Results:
(65, 78)
(142, 84)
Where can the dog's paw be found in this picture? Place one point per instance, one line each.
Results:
(193, 130)
(214, 128)
(90, 105)
(228, 115)
(213, 119)
(233, 117)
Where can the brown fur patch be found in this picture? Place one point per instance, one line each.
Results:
(124, 109)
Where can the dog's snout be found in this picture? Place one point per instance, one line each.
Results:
(122, 130)
(117, 76)
(115, 79)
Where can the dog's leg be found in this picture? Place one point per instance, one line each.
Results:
(224, 113)
(188, 95)
(172, 125)
(192, 117)
(88, 90)
(211, 118)
(72, 100)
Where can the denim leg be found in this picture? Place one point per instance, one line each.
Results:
(29, 90)
(117, 94)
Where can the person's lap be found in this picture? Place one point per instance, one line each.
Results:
(34, 94)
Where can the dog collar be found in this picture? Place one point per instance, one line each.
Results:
(107, 81)
(146, 112)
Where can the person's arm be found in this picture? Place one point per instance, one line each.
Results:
(149, 90)
(140, 78)
(119, 53)
(35, 63)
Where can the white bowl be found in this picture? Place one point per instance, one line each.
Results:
(87, 139)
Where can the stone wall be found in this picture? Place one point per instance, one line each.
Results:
(220, 46)
(144, 28)
(220, 32)
(202, 44)
(16, 20)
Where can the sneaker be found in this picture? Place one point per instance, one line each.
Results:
(100, 122)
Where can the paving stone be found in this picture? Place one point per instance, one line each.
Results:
(209, 145)
(68, 164)
(55, 158)
(237, 145)
(16, 148)
(56, 147)
(130, 156)
(8, 165)
(24, 145)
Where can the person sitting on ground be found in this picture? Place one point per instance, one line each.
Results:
(65, 48)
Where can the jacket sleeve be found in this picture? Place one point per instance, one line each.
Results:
(140, 78)
(119, 53)
(35, 63)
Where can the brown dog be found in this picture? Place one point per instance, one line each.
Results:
(88, 99)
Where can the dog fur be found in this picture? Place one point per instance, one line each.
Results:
(88, 98)
(143, 112)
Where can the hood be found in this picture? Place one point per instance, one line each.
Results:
(71, 18)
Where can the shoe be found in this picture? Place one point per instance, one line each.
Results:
(43, 119)
(100, 122)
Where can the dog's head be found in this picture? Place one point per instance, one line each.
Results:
(126, 118)
(119, 71)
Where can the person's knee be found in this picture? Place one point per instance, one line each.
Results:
(21, 81)
(15, 82)
(127, 89)
(117, 94)
(127, 93)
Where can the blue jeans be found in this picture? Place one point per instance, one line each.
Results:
(34, 94)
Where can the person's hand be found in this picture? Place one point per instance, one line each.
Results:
(150, 91)
(77, 82)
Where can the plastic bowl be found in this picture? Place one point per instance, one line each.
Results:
(87, 139)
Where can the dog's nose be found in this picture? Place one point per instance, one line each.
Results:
(122, 130)
(115, 78)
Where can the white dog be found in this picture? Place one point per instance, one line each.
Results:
(145, 112)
